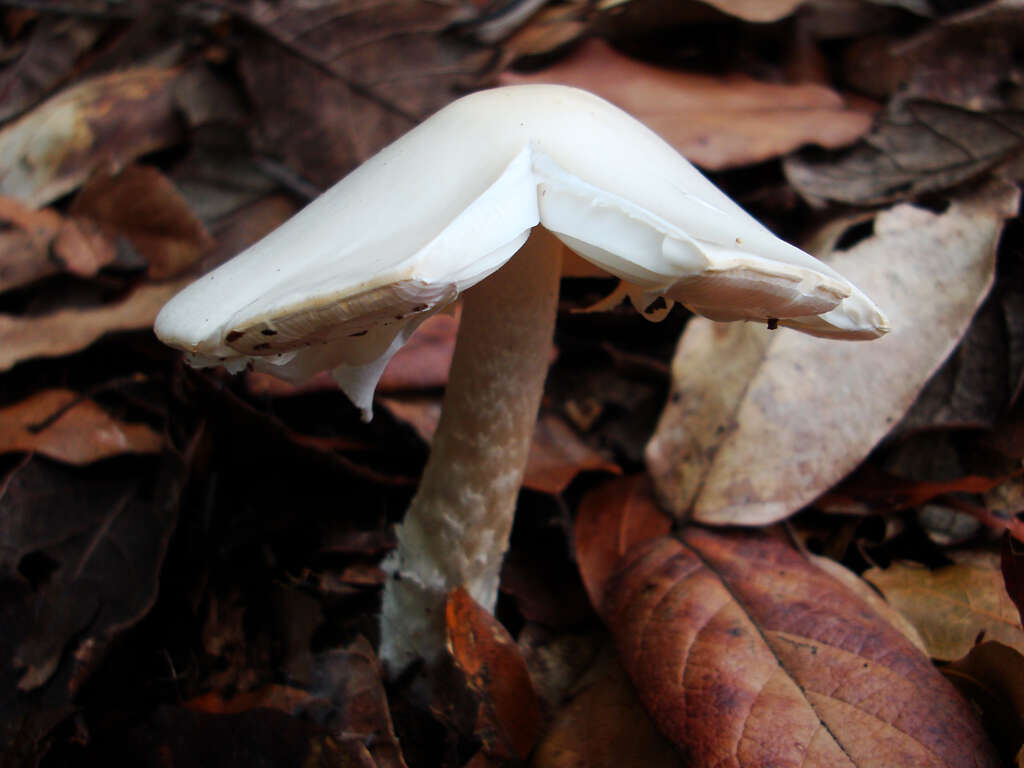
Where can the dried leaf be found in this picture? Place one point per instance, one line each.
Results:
(747, 655)
(604, 725)
(71, 330)
(83, 248)
(914, 148)
(716, 122)
(613, 518)
(46, 58)
(952, 607)
(25, 246)
(65, 426)
(759, 423)
(991, 677)
(109, 119)
(508, 713)
(140, 204)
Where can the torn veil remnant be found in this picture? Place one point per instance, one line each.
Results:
(452, 207)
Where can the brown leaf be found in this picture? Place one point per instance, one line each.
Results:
(334, 82)
(747, 655)
(611, 519)
(760, 422)
(83, 248)
(140, 204)
(112, 118)
(604, 725)
(71, 330)
(25, 246)
(508, 713)
(952, 607)
(65, 426)
(915, 147)
(991, 677)
(716, 122)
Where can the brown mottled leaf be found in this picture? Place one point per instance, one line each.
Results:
(952, 607)
(915, 147)
(140, 204)
(604, 725)
(112, 118)
(508, 712)
(25, 244)
(745, 654)
(759, 423)
(716, 122)
(65, 426)
(611, 519)
(71, 330)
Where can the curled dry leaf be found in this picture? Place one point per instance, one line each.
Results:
(952, 606)
(759, 423)
(745, 654)
(142, 205)
(71, 330)
(604, 725)
(111, 118)
(65, 426)
(716, 122)
(508, 711)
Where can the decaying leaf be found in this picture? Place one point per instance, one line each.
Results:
(759, 423)
(508, 712)
(745, 654)
(140, 204)
(916, 147)
(604, 725)
(71, 330)
(952, 607)
(112, 118)
(63, 425)
(991, 677)
(716, 122)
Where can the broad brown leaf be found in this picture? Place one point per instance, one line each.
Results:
(140, 204)
(760, 422)
(716, 122)
(65, 426)
(112, 118)
(71, 330)
(604, 725)
(508, 712)
(952, 606)
(747, 655)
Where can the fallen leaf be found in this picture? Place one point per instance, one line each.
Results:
(112, 118)
(65, 426)
(71, 330)
(760, 11)
(952, 607)
(915, 147)
(991, 677)
(611, 519)
(25, 244)
(424, 361)
(44, 59)
(745, 654)
(508, 712)
(83, 248)
(140, 204)
(759, 423)
(604, 725)
(716, 122)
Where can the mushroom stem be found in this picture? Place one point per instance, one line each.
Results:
(457, 528)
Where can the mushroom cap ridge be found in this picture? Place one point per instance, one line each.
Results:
(352, 274)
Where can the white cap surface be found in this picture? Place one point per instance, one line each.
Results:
(344, 282)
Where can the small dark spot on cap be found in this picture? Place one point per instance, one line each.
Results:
(773, 323)
(233, 336)
(268, 332)
(261, 347)
(357, 333)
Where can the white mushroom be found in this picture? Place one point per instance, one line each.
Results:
(458, 199)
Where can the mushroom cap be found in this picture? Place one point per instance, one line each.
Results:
(344, 282)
